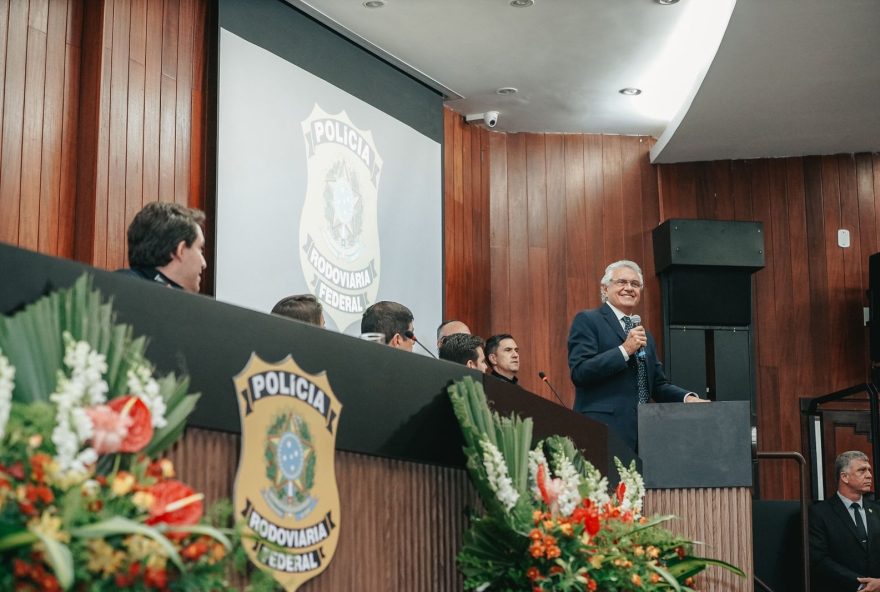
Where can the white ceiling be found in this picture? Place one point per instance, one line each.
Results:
(790, 77)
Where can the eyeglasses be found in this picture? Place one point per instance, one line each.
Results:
(634, 284)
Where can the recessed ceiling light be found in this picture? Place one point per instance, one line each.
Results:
(630, 92)
(374, 3)
(521, 3)
(506, 90)
(666, 2)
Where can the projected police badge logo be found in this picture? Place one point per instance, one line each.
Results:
(339, 230)
(285, 489)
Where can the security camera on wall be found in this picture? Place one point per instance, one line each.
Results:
(490, 118)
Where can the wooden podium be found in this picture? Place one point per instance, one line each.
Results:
(697, 464)
(399, 464)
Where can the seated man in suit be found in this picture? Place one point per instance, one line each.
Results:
(502, 355)
(613, 361)
(393, 320)
(845, 531)
(301, 307)
(165, 245)
(466, 349)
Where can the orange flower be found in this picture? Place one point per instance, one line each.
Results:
(533, 574)
(553, 552)
(592, 585)
(39, 461)
(535, 535)
(194, 550)
(536, 550)
(556, 570)
(636, 580)
(655, 578)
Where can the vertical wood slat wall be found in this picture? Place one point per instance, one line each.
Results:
(560, 207)
(401, 523)
(809, 299)
(102, 111)
(564, 205)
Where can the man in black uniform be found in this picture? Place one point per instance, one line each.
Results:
(166, 244)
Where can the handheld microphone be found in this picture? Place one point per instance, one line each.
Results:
(543, 377)
(637, 320)
(411, 335)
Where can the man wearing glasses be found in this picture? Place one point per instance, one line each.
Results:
(613, 360)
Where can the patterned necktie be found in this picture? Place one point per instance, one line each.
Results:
(640, 365)
(860, 524)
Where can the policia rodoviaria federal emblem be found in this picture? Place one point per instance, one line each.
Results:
(339, 228)
(285, 489)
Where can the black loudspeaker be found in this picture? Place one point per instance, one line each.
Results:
(716, 296)
(708, 243)
(874, 303)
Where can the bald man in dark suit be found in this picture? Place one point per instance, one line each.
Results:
(845, 531)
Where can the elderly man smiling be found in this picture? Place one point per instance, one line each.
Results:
(613, 359)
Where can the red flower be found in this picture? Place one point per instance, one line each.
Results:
(16, 470)
(621, 491)
(141, 430)
(176, 504)
(542, 485)
(156, 578)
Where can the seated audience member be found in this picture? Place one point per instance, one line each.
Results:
(502, 354)
(392, 320)
(448, 328)
(165, 245)
(301, 307)
(462, 348)
(845, 531)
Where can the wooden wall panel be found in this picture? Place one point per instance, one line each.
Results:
(719, 518)
(561, 208)
(579, 201)
(810, 338)
(87, 87)
(401, 523)
(466, 236)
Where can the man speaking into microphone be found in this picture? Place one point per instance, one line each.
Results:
(613, 359)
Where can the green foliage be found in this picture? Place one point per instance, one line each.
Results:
(600, 545)
(32, 341)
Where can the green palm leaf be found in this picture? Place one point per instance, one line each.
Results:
(32, 340)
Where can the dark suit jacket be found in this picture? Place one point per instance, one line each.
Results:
(606, 384)
(837, 557)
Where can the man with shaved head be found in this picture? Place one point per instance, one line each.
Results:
(448, 328)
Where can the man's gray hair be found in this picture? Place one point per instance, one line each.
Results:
(609, 271)
(841, 464)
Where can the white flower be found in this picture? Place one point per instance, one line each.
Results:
(142, 384)
(499, 479)
(635, 487)
(569, 495)
(595, 486)
(7, 384)
(84, 386)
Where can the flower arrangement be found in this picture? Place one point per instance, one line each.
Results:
(85, 501)
(549, 521)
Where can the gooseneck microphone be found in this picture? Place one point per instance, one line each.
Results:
(636, 321)
(411, 335)
(543, 377)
